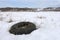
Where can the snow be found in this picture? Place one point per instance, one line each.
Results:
(48, 24)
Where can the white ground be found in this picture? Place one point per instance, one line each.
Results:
(48, 24)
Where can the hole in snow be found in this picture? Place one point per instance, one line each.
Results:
(22, 28)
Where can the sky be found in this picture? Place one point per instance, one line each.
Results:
(30, 3)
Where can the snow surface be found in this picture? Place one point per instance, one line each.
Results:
(48, 24)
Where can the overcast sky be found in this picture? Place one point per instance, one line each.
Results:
(30, 3)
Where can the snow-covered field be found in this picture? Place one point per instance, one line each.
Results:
(48, 24)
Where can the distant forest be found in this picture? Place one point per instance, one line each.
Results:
(30, 9)
(18, 9)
